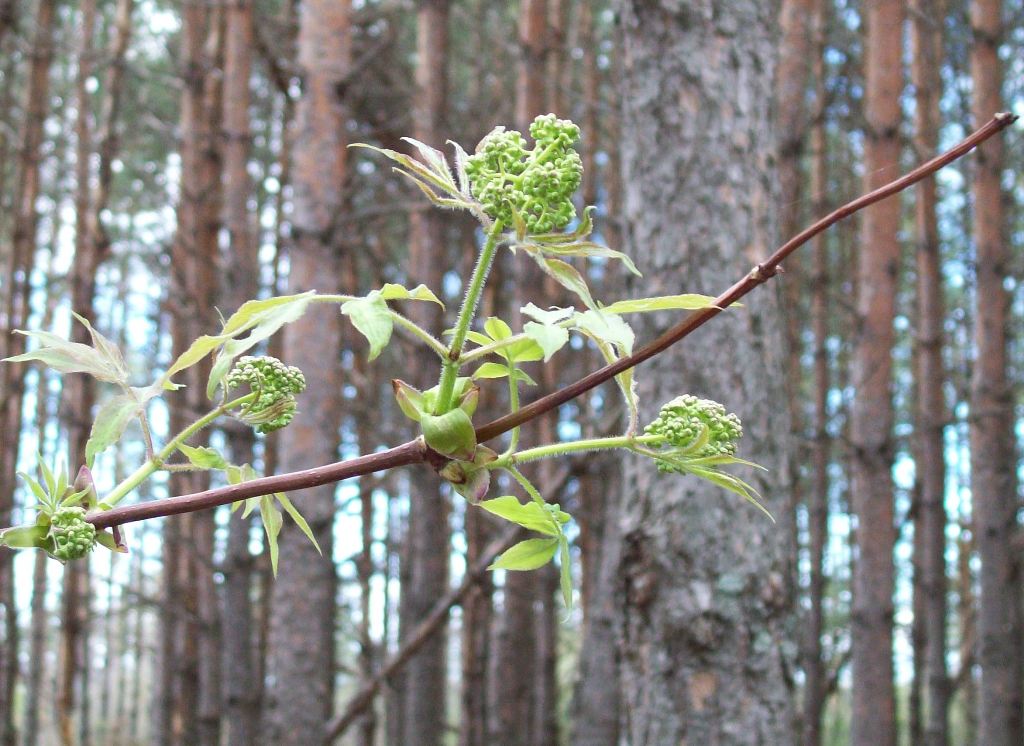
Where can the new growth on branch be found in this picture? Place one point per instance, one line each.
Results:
(523, 199)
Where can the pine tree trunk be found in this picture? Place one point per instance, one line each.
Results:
(873, 716)
(705, 601)
(932, 412)
(301, 636)
(993, 481)
(425, 678)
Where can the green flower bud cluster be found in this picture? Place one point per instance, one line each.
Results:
(73, 537)
(537, 185)
(698, 427)
(275, 385)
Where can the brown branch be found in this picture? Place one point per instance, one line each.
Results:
(419, 635)
(757, 276)
(415, 452)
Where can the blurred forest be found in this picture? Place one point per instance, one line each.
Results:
(163, 160)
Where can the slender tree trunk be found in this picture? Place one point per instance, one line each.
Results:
(815, 673)
(993, 481)
(11, 382)
(932, 412)
(241, 687)
(873, 716)
(704, 597)
(301, 644)
(425, 678)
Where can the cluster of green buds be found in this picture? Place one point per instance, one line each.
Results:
(275, 386)
(696, 428)
(534, 185)
(73, 537)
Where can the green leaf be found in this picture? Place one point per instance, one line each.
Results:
(518, 374)
(497, 329)
(491, 370)
(450, 434)
(461, 158)
(410, 399)
(203, 457)
(45, 501)
(107, 349)
(568, 277)
(25, 537)
(109, 541)
(686, 302)
(272, 521)
(372, 317)
(70, 357)
(527, 555)
(417, 171)
(565, 572)
(524, 351)
(549, 317)
(590, 249)
(291, 510)
(607, 328)
(391, 291)
(531, 515)
(111, 421)
(478, 338)
(549, 338)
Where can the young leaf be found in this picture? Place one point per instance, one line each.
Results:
(70, 357)
(565, 572)
(547, 317)
(391, 291)
(107, 349)
(607, 328)
(111, 421)
(491, 370)
(461, 157)
(372, 317)
(590, 249)
(524, 351)
(497, 329)
(203, 457)
(568, 277)
(291, 510)
(24, 537)
(531, 515)
(272, 521)
(685, 302)
(548, 337)
(527, 555)
(450, 434)
(410, 400)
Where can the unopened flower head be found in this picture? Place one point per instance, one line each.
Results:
(697, 428)
(275, 385)
(536, 185)
(73, 536)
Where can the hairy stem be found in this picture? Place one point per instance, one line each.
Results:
(450, 367)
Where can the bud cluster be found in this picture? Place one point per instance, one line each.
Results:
(699, 427)
(73, 536)
(537, 185)
(275, 385)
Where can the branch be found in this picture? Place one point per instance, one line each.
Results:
(414, 452)
(757, 276)
(419, 635)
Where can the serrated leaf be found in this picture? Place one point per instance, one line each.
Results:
(547, 317)
(107, 349)
(372, 317)
(549, 338)
(491, 370)
(527, 555)
(291, 510)
(531, 515)
(589, 250)
(524, 351)
(203, 457)
(497, 329)
(568, 277)
(565, 572)
(392, 291)
(434, 159)
(415, 170)
(461, 157)
(69, 357)
(272, 520)
(111, 421)
(685, 302)
(607, 328)
(40, 494)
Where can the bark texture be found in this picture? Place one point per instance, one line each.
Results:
(704, 597)
(874, 717)
(993, 481)
(301, 645)
(932, 412)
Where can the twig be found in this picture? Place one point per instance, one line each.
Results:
(415, 452)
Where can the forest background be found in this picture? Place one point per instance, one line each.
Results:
(160, 161)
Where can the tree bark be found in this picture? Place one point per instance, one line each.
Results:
(931, 410)
(301, 637)
(993, 480)
(704, 596)
(873, 716)
(425, 679)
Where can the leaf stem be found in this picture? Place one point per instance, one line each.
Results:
(156, 462)
(553, 450)
(450, 366)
